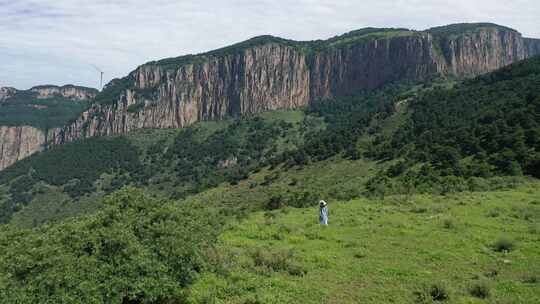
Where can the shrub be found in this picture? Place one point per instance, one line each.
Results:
(531, 279)
(277, 261)
(419, 209)
(448, 223)
(275, 202)
(437, 292)
(503, 244)
(493, 213)
(124, 232)
(136, 107)
(360, 254)
(480, 290)
(534, 229)
(492, 273)
(302, 200)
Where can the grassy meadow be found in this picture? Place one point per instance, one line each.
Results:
(473, 247)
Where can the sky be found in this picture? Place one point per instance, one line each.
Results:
(67, 41)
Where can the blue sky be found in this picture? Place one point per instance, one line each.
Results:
(58, 41)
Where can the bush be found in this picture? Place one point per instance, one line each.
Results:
(480, 290)
(448, 223)
(275, 202)
(493, 212)
(531, 279)
(360, 254)
(418, 209)
(277, 261)
(437, 292)
(156, 245)
(503, 245)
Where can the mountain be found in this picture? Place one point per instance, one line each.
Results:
(436, 136)
(30, 119)
(441, 172)
(268, 73)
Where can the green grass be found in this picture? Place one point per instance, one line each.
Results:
(382, 252)
(336, 177)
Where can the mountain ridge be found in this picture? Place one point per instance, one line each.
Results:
(267, 73)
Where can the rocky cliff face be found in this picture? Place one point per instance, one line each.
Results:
(6, 93)
(18, 142)
(482, 51)
(532, 47)
(267, 74)
(342, 71)
(265, 77)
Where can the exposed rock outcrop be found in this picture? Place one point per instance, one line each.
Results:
(265, 77)
(341, 71)
(18, 142)
(482, 51)
(268, 73)
(67, 91)
(532, 47)
(279, 74)
(6, 93)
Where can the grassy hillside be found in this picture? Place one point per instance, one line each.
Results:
(470, 247)
(423, 207)
(487, 126)
(171, 163)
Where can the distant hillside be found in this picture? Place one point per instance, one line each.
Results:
(44, 106)
(482, 127)
(269, 73)
(431, 137)
(30, 119)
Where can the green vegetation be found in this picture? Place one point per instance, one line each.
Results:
(114, 89)
(135, 249)
(366, 35)
(136, 107)
(74, 167)
(380, 251)
(452, 30)
(174, 63)
(25, 109)
(483, 127)
(432, 194)
(358, 36)
(174, 163)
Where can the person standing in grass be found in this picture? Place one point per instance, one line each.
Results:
(323, 213)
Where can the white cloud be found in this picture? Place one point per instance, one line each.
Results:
(56, 41)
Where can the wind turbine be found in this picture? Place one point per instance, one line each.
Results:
(101, 76)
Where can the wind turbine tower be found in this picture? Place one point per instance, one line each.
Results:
(101, 76)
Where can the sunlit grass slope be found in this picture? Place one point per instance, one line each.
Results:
(466, 248)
